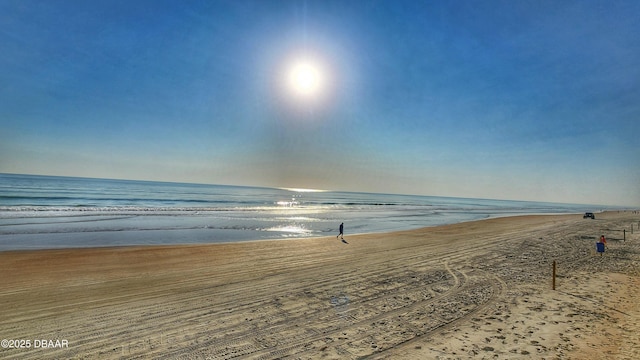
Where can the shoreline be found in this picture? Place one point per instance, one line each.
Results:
(213, 242)
(467, 290)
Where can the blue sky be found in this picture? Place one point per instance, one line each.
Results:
(527, 100)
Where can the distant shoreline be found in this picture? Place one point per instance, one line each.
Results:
(231, 242)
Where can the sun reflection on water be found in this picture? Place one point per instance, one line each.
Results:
(292, 229)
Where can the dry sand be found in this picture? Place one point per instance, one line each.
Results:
(477, 290)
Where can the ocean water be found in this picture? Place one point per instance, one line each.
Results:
(38, 212)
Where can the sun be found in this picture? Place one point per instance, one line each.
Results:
(304, 84)
(305, 78)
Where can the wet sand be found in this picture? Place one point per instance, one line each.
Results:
(477, 290)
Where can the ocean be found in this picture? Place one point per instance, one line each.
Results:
(44, 212)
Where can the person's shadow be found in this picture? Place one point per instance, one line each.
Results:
(344, 241)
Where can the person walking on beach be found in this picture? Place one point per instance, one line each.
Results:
(341, 234)
(601, 245)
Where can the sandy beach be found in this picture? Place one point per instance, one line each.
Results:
(475, 290)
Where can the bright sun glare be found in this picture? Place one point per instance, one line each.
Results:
(305, 78)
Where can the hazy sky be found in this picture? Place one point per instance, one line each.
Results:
(528, 100)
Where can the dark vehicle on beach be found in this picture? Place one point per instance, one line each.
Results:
(588, 215)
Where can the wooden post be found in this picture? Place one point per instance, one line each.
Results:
(624, 235)
(553, 282)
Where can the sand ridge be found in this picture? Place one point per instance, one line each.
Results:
(472, 290)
